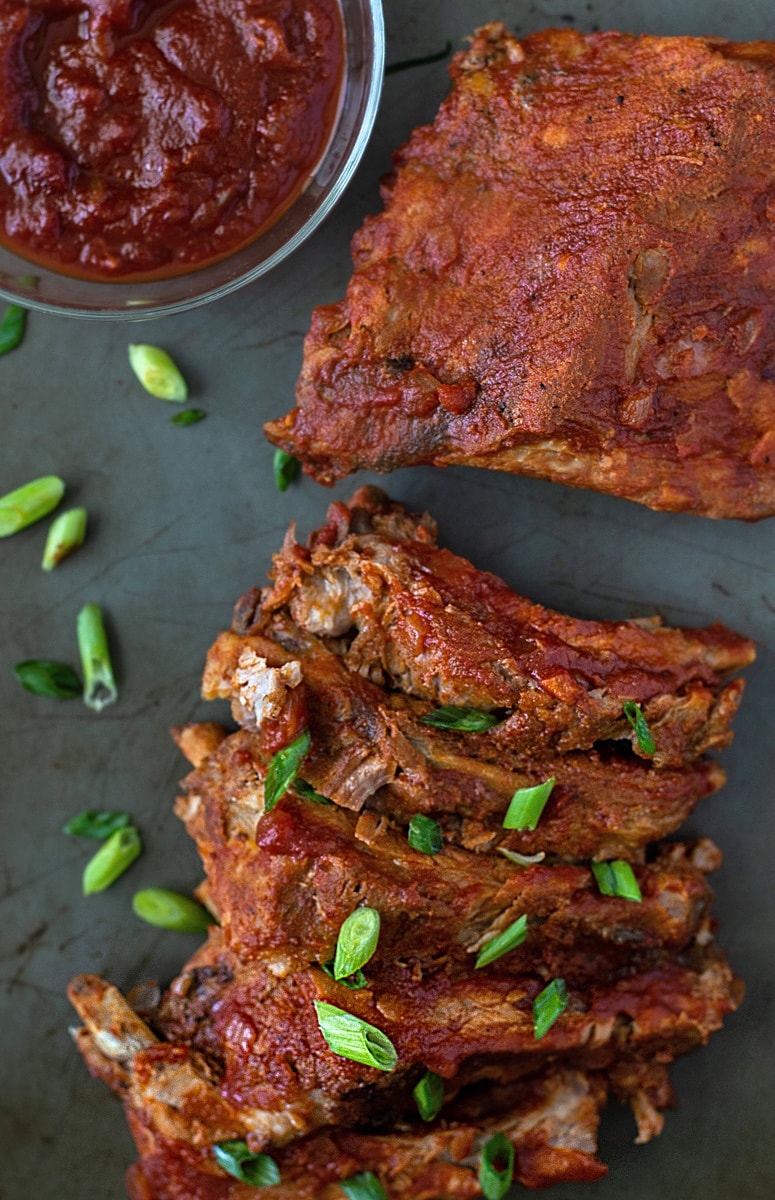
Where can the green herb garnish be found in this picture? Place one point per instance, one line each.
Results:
(548, 1006)
(634, 714)
(286, 469)
(617, 879)
(350, 1037)
(100, 686)
(284, 768)
(467, 720)
(496, 1167)
(527, 804)
(505, 941)
(158, 373)
(65, 536)
(354, 982)
(425, 834)
(191, 416)
(114, 857)
(357, 942)
(29, 503)
(170, 910)
(12, 328)
(429, 1095)
(364, 1186)
(96, 823)
(307, 792)
(257, 1170)
(45, 678)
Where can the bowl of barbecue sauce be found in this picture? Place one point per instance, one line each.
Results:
(158, 154)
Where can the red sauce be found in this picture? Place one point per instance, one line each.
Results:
(148, 137)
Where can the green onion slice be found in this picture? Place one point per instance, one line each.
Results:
(469, 720)
(425, 834)
(158, 373)
(527, 804)
(429, 1095)
(286, 469)
(170, 910)
(66, 535)
(357, 941)
(191, 416)
(100, 689)
(257, 1170)
(523, 860)
(634, 714)
(114, 857)
(307, 792)
(45, 678)
(364, 1186)
(284, 768)
(29, 503)
(548, 1006)
(96, 823)
(505, 941)
(354, 982)
(617, 878)
(350, 1037)
(496, 1167)
(12, 327)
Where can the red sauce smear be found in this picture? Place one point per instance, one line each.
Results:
(146, 138)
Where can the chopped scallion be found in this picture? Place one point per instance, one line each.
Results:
(286, 469)
(65, 536)
(425, 834)
(523, 860)
(527, 804)
(507, 940)
(548, 1005)
(364, 1186)
(357, 941)
(45, 678)
(634, 714)
(191, 416)
(257, 1170)
(114, 857)
(29, 503)
(496, 1167)
(170, 910)
(468, 720)
(96, 823)
(12, 327)
(307, 792)
(617, 878)
(100, 686)
(284, 768)
(158, 373)
(354, 982)
(350, 1037)
(429, 1095)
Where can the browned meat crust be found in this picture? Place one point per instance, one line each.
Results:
(363, 632)
(572, 279)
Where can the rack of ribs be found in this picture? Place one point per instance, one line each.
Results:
(572, 278)
(363, 634)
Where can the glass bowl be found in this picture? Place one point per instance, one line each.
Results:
(34, 286)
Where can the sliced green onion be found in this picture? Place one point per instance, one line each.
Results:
(523, 860)
(45, 678)
(357, 941)
(96, 823)
(191, 416)
(286, 469)
(284, 768)
(307, 792)
(12, 327)
(100, 686)
(418, 62)
(469, 720)
(170, 910)
(429, 1095)
(496, 1167)
(66, 535)
(548, 1006)
(527, 804)
(617, 878)
(508, 940)
(634, 714)
(425, 834)
(350, 1037)
(364, 1186)
(158, 373)
(111, 860)
(257, 1170)
(29, 503)
(354, 982)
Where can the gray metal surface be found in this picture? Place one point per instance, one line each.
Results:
(182, 522)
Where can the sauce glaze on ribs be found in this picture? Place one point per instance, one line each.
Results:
(573, 278)
(363, 633)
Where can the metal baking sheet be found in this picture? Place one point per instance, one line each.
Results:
(184, 520)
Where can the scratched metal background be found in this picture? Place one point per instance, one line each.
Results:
(183, 521)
